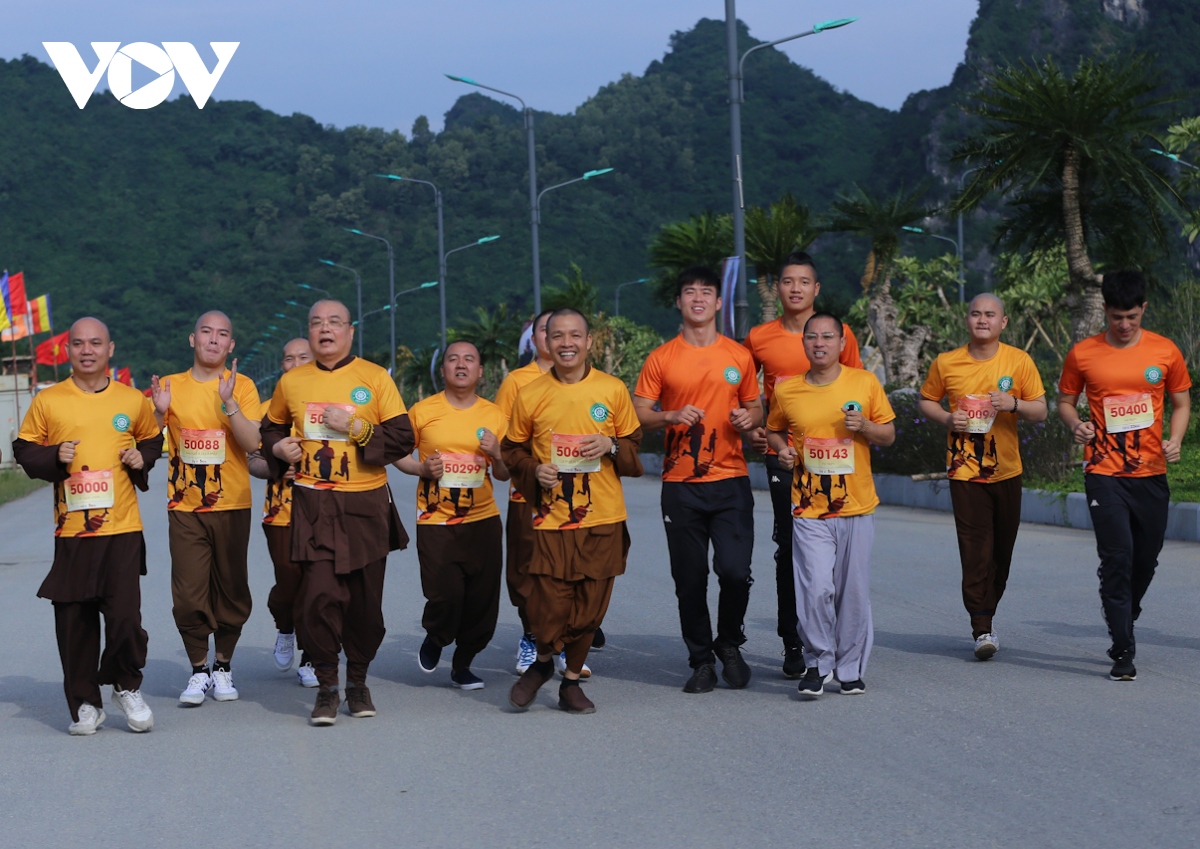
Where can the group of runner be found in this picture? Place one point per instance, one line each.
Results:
(564, 434)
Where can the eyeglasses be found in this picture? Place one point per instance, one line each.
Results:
(332, 323)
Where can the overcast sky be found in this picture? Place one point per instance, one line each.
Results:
(381, 63)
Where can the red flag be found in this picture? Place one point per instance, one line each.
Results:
(125, 376)
(54, 350)
(14, 295)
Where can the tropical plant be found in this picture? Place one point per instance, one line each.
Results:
(771, 234)
(1068, 152)
(881, 219)
(575, 292)
(1183, 141)
(416, 378)
(705, 239)
(1033, 287)
(620, 347)
(496, 333)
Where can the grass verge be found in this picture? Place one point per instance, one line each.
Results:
(14, 484)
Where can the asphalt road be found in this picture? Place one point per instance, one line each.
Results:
(1033, 748)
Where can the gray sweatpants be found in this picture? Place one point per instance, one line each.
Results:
(831, 562)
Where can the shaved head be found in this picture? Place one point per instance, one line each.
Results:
(214, 318)
(451, 346)
(985, 297)
(90, 328)
(327, 307)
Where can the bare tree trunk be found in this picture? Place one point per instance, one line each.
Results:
(1083, 298)
(766, 295)
(901, 350)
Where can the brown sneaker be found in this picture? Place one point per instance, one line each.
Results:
(572, 700)
(325, 711)
(523, 692)
(358, 700)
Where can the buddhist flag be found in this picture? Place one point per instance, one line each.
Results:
(54, 351)
(5, 323)
(13, 289)
(39, 315)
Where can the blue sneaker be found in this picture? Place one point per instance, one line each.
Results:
(526, 653)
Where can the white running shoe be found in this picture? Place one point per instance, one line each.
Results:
(308, 675)
(90, 719)
(285, 651)
(986, 646)
(137, 712)
(560, 666)
(526, 654)
(223, 689)
(197, 688)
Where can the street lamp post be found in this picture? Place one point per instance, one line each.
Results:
(437, 199)
(962, 288)
(537, 206)
(357, 290)
(741, 306)
(391, 290)
(617, 311)
(299, 326)
(533, 192)
(473, 244)
(387, 307)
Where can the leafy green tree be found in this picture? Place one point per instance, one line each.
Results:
(880, 219)
(705, 239)
(1183, 140)
(1033, 287)
(575, 292)
(496, 333)
(771, 234)
(1068, 151)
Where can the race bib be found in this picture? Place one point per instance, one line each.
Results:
(980, 412)
(1123, 413)
(828, 456)
(462, 471)
(566, 452)
(89, 490)
(202, 447)
(314, 422)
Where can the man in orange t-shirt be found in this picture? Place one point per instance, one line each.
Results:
(778, 349)
(1126, 372)
(704, 387)
(989, 386)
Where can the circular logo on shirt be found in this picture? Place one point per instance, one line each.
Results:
(1006, 383)
(479, 433)
(1154, 375)
(853, 405)
(599, 412)
(121, 423)
(360, 395)
(732, 375)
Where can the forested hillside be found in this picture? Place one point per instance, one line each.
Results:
(147, 218)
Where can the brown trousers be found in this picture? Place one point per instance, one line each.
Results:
(341, 612)
(77, 626)
(460, 577)
(519, 537)
(210, 587)
(987, 517)
(284, 598)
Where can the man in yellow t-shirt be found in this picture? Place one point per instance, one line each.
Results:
(340, 421)
(833, 415)
(989, 386)
(277, 528)
(518, 526)
(95, 440)
(212, 417)
(458, 437)
(572, 434)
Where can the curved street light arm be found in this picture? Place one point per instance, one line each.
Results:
(470, 81)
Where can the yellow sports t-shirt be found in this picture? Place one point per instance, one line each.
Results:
(464, 494)
(330, 460)
(98, 499)
(506, 397)
(208, 470)
(990, 451)
(833, 470)
(552, 416)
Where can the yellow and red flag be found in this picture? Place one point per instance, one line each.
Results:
(39, 315)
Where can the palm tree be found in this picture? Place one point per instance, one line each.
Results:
(880, 219)
(771, 234)
(575, 292)
(701, 240)
(495, 333)
(1068, 152)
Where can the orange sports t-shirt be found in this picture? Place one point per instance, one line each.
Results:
(1125, 391)
(833, 472)
(990, 452)
(208, 470)
(717, 379)
(329, 459)
(98, 499)
(464, 494)
(780, 353)
(506, 397)
(551, 415)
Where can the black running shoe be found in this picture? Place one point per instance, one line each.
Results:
(853, 688)
(813, 685)
(734, 668)
(703, 680)
(429, 655)
(598, 640)
(793, 661)
(1123, 668)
